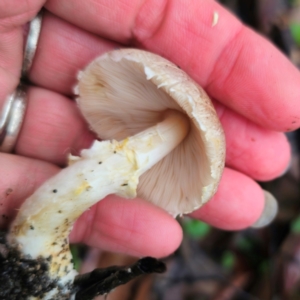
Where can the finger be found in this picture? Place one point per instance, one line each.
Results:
(237, 204)
(20, 177)
(234, 64)
(63, 50)
(52, 128)
(10, 61)
(253, 150)
(13, 14)
(133, 227)
(16, 13)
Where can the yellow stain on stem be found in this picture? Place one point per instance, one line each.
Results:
(119, 146)
(83, 187)
(123, 147)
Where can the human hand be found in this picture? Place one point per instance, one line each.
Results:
(255, 91)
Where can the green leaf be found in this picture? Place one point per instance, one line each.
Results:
(295, 226)
(295, 31)
(294, 2)
(195, 229)
(76, 259)
(228, 260)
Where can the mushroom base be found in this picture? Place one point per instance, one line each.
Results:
(23, 278)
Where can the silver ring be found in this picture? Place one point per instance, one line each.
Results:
(11, 118)
(31, 43)
(14, 107)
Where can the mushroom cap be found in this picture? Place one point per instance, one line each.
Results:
(126, 91)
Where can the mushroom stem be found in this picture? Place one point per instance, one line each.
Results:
(45, 220)
(153, 144)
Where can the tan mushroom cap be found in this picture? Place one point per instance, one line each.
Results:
(127, 91)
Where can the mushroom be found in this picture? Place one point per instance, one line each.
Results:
(126, 91)
(162, 142)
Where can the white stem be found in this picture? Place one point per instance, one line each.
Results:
(46, 218)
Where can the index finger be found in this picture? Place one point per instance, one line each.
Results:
(234, 64)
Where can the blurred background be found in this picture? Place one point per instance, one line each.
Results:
(217, 265)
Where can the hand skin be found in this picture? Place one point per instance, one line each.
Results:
(254, 87)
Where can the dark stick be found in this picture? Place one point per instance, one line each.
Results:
(102, 281)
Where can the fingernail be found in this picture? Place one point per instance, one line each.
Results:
(269, 212)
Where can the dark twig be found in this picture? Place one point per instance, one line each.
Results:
(102, 281)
